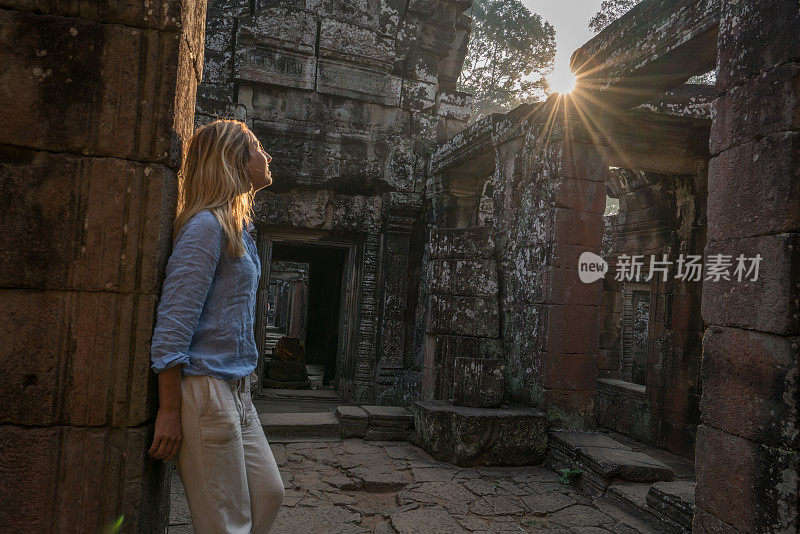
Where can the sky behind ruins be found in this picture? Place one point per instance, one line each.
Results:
(570, 18)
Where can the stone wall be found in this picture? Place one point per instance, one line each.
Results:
(98, 102)
(348, 98)
(345, 96)
(747, 455)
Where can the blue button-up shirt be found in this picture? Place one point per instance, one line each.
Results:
(205, 317)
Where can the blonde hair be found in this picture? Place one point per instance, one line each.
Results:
(214, 177)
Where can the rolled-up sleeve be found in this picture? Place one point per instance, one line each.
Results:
(190, 272)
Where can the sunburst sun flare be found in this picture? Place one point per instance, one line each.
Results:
(562, 81)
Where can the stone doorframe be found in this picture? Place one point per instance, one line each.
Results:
(350, 303)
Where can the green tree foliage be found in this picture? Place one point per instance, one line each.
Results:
(611, 10)
(510, 53)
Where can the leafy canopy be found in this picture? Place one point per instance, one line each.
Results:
(510, 53)
(610, 10)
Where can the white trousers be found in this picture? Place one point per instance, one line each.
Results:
(231, 479)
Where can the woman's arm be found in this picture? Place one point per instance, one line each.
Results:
(190, 272)
(168, 434)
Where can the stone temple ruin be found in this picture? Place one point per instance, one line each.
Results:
(428, 265)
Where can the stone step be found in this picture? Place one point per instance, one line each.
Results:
(375, 423)
(287, 427)
(603, 461)
(674, 500)
(632, 498)
(298, 394)
(389, 416)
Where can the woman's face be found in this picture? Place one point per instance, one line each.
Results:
(258, 168)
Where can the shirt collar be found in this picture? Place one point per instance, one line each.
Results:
(249, 226)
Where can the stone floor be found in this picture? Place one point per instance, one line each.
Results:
(355, 486)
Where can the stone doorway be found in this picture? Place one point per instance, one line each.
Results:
(311, 294)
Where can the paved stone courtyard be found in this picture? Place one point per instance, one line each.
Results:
(354, 486)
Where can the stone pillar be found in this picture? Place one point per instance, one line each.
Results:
(401, 211)
(98, 103)
(747, 444)
(549, 200)
(462, 318)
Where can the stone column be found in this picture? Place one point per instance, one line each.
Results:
(98, 104)
(747, 444)
(549, 200)
(401, 211)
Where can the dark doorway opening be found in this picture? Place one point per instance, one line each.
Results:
(325, 270)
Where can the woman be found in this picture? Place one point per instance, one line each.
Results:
(203, 347)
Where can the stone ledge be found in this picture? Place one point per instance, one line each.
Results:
(621, 386)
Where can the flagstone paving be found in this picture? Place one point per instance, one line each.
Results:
(353, 486)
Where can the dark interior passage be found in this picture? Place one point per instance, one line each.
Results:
(326, 265)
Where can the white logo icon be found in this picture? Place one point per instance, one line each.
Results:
(591, 267)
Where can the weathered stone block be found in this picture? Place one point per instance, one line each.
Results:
(169, 15)
(441, 352)
(381, 16)
(360, 83)
(750, 385)
(481, 436)
(758, 182)
(744, 115)
(564, 287)
(572, 329)
(353, 421)
(279, 28)
(44, 481)
(463, 277)
(467, 243)
(218, 100)
(283, 68)
(760, 482)
(75, 357)
(417, 95)
(478, 382)
(777, 290)
(389, 416)
(570, 371)
(578, 228)
(622, 406)
(773, 25)
(674, 499)
(454, 105)
(352, 44)
(118, 240)
(64, 74)
(457, 315)
(581, 195)
(218, 55)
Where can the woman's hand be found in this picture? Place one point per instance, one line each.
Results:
(167, 438)
(168, 434)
